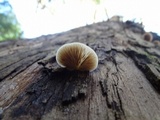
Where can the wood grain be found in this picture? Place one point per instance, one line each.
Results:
(125, 86)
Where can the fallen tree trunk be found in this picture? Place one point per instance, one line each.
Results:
(125, 86)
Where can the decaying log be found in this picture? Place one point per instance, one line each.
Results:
(125, 86)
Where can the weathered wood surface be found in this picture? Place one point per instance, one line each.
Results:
(125, 86)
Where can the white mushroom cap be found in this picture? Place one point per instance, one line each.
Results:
(77, 56)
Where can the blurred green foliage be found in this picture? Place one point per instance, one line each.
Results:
(9, 26)
(97, 1)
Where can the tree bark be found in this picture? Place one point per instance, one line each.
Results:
(125, 86)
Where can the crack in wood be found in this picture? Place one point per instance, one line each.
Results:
(41, 97)
(112, 78)
(143, 63)
(20, 66)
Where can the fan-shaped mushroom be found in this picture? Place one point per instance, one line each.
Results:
(77, 56)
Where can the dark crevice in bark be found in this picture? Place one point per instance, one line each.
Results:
(116, 107)
(20, 66)
(42, 96)
(120, 101)
(145, 65)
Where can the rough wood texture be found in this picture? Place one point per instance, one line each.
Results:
(125, 86)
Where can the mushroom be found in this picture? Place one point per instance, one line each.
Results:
(148, 36)
(156, 42)
(77, 56)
